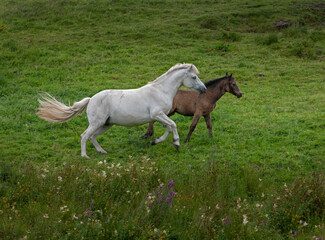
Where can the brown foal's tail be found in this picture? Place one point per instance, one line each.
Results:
(53, 111)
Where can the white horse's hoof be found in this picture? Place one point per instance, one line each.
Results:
(103, 151)
(85, 156)
(154, 142)
(176, 146)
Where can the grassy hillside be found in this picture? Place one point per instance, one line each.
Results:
(265, 162)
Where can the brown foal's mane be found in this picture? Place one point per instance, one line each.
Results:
(214, 82)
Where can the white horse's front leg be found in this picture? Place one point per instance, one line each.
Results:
(171, 127)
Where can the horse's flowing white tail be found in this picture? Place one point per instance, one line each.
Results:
(54, 111)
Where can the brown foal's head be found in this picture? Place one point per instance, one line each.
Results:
(232, 86)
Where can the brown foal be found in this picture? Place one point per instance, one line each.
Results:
(191, 103)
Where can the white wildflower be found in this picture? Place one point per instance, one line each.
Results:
(217, 206)
(263, 195)
(45, 216)
(104, 174)
(43, 175)
(59, 178)
(100, 163)
(245, 221)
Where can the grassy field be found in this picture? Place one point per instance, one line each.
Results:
(261, 176)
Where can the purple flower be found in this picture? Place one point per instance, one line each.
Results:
(170, 196)
(88, 211)
(320, 238)
(171, 184)
(295, 234)
(227, 221)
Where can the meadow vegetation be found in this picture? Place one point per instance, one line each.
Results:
(261, 175)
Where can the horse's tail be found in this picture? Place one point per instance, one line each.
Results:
(54, 111)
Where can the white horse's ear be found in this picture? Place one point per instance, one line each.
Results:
(189, 69)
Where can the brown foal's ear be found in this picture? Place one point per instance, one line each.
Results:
(230, 76)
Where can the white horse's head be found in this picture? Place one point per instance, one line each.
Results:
(192, 81)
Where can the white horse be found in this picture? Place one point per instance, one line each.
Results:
(132, 107)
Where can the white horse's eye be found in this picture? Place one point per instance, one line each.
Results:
(194, 77)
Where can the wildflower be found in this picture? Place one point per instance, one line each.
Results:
(305, 224)
(100, 163)
(171, 184)
(320, 238)
(104, 174)
(45, 216)
(227, 221)
(88, 211)
(59, 178)
(43, 175)
(217, 206)
(245, 221)
(170, 196)
(295, 234)
(263, 195)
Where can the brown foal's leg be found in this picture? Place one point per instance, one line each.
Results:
(209, 123)
(149, 132)
(193, 125)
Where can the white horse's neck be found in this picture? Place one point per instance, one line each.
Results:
(170, 83)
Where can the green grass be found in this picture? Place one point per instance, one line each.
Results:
(266, 157)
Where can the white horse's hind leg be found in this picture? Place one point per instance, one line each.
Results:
(171, 127)
(84, 137)
(94, 141)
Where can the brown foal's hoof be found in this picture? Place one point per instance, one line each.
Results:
(146, 136)
(153, 142)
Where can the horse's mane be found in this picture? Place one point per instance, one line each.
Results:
(214, 81)
(176, 67)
